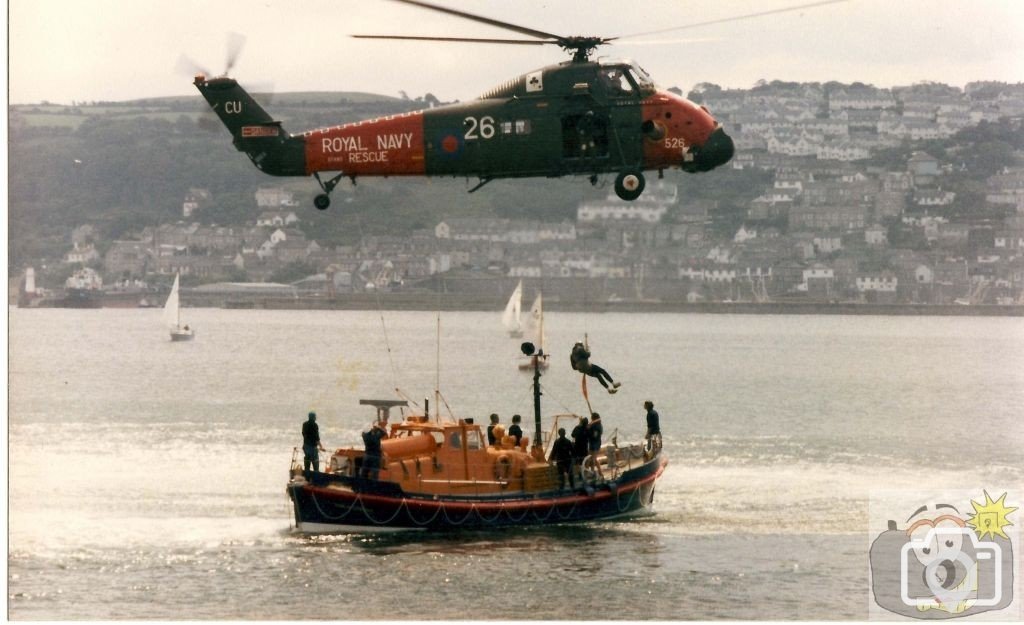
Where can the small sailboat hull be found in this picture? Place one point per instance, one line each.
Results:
(184, 335)
(329, 503)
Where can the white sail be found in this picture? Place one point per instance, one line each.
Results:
(172, 316)
(535, 322)
(171, 312)
(511, 318)
(533, 331)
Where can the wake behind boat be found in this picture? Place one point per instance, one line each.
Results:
(433, 473)
(172, 316)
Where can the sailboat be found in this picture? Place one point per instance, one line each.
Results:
(511, 317)
(534, 331)
(172, 315)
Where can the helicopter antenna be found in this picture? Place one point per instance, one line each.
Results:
(735, 18)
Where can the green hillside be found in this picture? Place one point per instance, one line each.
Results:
(123, 166)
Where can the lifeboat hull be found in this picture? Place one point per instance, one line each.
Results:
(328, 505)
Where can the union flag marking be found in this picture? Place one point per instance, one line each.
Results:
(260, 131)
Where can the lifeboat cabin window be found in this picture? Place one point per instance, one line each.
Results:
(473, 440)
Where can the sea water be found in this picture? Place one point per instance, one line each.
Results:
(146, 478)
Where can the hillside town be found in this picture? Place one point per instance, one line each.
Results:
(834, 222)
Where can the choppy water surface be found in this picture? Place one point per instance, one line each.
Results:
(146, 478)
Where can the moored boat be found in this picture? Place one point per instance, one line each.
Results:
(442, 474)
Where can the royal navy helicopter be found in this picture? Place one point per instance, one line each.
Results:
(581, 117)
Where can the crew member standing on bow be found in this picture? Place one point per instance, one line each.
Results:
(580, 361)
(310, 445)
(653, 435)
(594, 433)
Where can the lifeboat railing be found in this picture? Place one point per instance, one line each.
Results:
(606, 465)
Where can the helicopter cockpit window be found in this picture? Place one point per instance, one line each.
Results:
(643, 80)
(615, 82)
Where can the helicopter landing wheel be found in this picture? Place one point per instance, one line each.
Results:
(629, 185)
(323, 200)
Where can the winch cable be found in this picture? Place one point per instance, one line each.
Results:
(583, 377)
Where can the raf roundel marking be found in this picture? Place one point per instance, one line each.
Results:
(450, 144)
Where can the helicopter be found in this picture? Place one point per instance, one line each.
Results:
(581, 117)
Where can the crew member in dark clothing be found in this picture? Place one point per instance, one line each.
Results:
(515, 429)
(594, 432)
(653, 421)
(561, 454)
(580, 361)
(310, 445)
(491, 440)
(371, 459)
(580, 442)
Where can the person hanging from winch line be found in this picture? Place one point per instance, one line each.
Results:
(580, 360)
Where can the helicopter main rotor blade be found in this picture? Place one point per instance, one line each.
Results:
(522, 30)
(521, 42)
(724, 20)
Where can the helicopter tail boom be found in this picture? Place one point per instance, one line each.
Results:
(254, 131)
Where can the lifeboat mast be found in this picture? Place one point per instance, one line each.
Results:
(528, 348)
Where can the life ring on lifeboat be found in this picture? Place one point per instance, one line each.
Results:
(503, 467)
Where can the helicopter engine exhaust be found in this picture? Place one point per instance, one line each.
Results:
(653, 130)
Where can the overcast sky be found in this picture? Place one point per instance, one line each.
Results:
(86, 50)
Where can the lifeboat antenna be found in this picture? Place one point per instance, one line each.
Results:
(437, 371)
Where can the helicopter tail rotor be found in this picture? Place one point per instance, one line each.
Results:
(235, 45)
